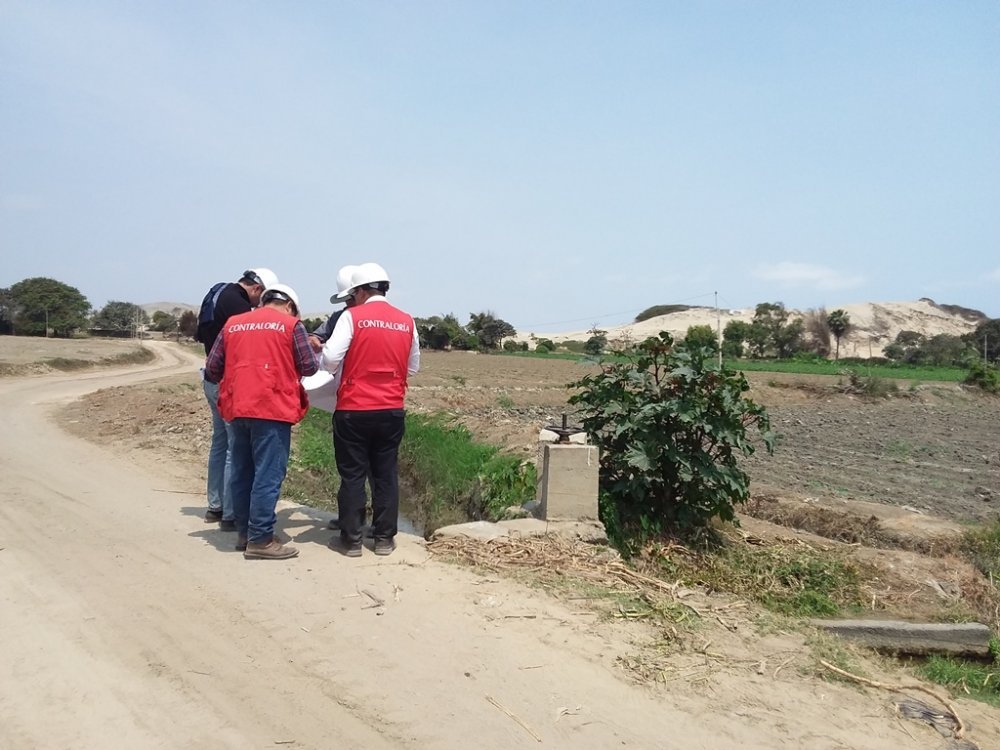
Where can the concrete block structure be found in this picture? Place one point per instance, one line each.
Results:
(568, 481)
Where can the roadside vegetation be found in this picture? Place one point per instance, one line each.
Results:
(977, 680)
(671, 427)
(140, 355)
(450, 477)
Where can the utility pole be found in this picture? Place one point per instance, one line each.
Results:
(718, 329)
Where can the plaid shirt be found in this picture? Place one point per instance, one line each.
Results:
(305, 360)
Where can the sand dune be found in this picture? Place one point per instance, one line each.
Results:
(874, 325)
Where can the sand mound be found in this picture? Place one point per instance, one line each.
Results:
(874, 325)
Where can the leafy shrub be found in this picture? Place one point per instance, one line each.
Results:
(504, 481)
(595, 344)
(670, 426)
(702, 336)
(545, 346)
(869, 386)
(986, 377)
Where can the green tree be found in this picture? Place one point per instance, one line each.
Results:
(734, 335)
(908, 347)
(545, 345)
(772, 333)
(986, 339)
(188, 323)
(6, 311)
(489, 329)
(702, 337)
(789, 338)
(440, 331)
(944, 350)
(671, 427)
(40, 300)
(597, 342)
(163, 322)
(840, 323)
(120, 316)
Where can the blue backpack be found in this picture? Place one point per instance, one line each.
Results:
(207, 312)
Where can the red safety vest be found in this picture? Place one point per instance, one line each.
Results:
(260, 378)
(374, 370)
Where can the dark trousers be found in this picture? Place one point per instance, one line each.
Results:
(366, 444)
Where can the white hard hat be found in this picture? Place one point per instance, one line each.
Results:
(265, 276)
(280, 292)
(368, 273)
(343, 284)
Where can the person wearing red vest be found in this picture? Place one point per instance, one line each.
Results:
(375, 347)
(231, 299)
(258, 361)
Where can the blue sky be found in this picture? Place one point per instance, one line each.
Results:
(559, 163)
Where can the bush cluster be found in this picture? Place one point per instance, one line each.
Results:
(671, 426)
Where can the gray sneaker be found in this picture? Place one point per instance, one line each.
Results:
(385, 547)
(347, 549)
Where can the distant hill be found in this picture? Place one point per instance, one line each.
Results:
(874, 325)
(168, 307)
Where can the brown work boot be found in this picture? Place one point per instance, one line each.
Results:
(271, 551)
(241, 541)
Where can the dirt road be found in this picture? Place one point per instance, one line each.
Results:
(126, 622)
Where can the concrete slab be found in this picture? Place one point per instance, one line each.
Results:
(591, 532)
(957, 639)
(484, 530)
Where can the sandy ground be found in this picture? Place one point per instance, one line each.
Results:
(129, 623)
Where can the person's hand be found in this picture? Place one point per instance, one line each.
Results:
(315, 343)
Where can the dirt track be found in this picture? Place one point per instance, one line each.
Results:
(129, 623)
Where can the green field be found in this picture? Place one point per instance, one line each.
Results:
(897, 372)
(807, 367)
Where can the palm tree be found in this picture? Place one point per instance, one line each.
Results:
(840, 323)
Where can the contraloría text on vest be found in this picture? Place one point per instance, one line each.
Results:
(404, 327)
(269, 326)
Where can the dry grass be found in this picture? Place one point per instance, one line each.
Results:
(562, 564)
(842, 526)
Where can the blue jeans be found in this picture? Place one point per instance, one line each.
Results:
(260, 459)
(220, 458)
